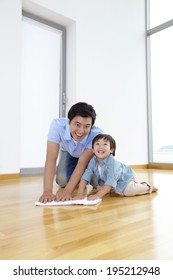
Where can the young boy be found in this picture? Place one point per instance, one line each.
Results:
(109, 173)
(71, 138)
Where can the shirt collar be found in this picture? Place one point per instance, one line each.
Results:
(106, 159)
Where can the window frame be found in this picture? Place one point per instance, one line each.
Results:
(149, 33)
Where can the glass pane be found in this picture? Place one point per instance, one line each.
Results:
(162, 95)
(160, 11)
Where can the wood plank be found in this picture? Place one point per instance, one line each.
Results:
(122, 228)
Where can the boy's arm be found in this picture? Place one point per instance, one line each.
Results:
(102, 192)
(81, 189)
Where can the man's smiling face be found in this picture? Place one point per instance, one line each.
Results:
(80, 127)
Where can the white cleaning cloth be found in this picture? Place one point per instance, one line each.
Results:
(69, 202)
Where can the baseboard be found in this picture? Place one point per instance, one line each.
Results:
(9, 176)
(140, 166)
(23, 172)
(40, 170)
(31, 171)
(160, 166)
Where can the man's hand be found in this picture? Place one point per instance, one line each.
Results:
(62, 196)
(47, 197)
(78, 196)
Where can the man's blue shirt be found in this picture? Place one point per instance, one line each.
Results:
(59, 133)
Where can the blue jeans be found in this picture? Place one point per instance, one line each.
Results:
(65, 168)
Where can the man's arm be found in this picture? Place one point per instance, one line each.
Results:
(76, 176)
(49, 172)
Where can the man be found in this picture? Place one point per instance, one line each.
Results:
(70, 139)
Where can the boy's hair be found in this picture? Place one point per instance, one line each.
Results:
(82, 109)
(108, 138)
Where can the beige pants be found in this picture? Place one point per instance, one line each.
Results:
(133, 188)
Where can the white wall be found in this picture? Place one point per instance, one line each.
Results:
(105, 67)
(10, 34)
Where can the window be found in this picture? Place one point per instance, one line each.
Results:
(160, 85)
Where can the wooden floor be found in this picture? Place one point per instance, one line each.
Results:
(119, 228)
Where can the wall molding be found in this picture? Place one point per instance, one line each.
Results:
(31, 171)
(9, 176)
(160, 166)
(40, 170)
(140, 166)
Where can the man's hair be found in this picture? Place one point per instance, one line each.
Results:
(108, 138)
(82, 109)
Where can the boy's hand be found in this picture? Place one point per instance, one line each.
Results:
(93, 197)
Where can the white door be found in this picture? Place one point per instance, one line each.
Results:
(40, 89)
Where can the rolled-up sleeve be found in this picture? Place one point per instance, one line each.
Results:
(54, 132)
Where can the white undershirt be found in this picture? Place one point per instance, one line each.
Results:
(100, 171)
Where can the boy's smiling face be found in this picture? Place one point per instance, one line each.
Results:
(101, 149)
